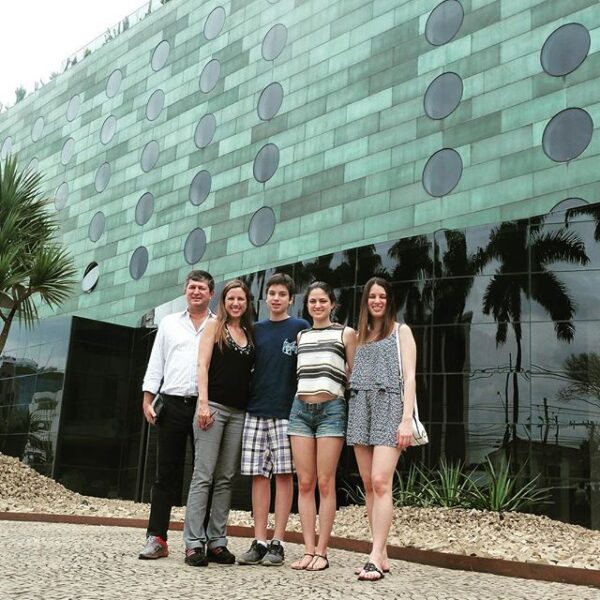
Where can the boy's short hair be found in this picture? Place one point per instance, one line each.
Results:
(281, 279)
(199, 275)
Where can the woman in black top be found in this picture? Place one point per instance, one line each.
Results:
(225, 361)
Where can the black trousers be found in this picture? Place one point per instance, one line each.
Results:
(174, 431)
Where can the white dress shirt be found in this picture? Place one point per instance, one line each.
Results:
(174, 356)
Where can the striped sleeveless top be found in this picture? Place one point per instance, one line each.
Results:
(322, 361)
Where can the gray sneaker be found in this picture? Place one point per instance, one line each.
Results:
(274, 556)
(155, 547)
(254, 556)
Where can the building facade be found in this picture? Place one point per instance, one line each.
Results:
(447, 146)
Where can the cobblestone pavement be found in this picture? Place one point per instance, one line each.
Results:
(56, 561)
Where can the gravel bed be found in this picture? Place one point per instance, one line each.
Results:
(511, 536)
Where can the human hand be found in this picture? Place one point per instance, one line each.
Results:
(205, 416)
(404, 434)
(149, 413)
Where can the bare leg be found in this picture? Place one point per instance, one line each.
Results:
(304, 451)
(261, 498)
(284, 492)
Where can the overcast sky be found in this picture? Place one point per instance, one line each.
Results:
(37, 35)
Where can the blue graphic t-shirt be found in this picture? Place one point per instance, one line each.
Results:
(274, 383)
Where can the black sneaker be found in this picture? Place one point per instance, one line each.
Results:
(196, 557)
(220, 555)
(275, 555)
(253, 556)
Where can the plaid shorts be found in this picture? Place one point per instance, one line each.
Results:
(266, 447)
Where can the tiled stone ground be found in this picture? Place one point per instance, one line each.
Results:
(78, 562)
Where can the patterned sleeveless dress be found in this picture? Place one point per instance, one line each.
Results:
(376, 403)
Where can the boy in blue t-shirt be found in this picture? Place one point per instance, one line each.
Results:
(266, 447)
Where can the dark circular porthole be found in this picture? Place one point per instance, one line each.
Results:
(200, 187)
(205, 130)
(61, 195)
(73, 107)
(150, 155)
(567, 134)
(210, 75)
(108, 129)
(214, 23)
(262, 226)
(113, 83)
(102, 177)
(266, 162)
(443, 95)
(270, 101)
(565, 49)
(67, 151)
(160, 55)
(96, 228)
(37, 131)
(144, 208)
(274, 42)
(195, 245)
(138, 262)
(442, 172)
(6, 147)
(155, 105)
(444, 22)
(91, 275)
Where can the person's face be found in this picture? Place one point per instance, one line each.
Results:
(235, 303)
(377, 301)
(319, 304)
(197, 295)
(278, 300)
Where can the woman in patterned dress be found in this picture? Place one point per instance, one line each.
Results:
(382, 399)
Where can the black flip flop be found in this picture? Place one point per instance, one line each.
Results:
(371, 568)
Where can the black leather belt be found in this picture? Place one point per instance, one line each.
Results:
(185, 399)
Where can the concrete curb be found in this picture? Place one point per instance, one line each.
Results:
(495, 566)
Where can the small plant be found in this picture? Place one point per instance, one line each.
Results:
(446, 486)
(408, 490)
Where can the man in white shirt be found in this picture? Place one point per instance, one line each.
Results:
(173, 362)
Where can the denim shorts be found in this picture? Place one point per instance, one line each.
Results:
(318, 419)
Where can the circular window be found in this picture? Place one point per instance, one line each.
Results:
(61, 195)
(270, 101)
(67, 151)
(160, 55)
(274, 42)
(144, 208)
(214, 23)
(442, 172)
(33, 165)
(149, 156)
(102, 177)
(266, 162)
(113, 83)
(37, 131)
(567, 134)
(205, 130)
(568, 203)
(262, 226)
(155, 105)
(443, 95)
(210, 75)
(200, 187)
(444, 22)
(108, 130)
(138, 262)
(90, 277)
(73, 107)
(565, 49)
(6, 148)
(96, 228)
(195, 245)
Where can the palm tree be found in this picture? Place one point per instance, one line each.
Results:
(521, 251)
(32, 262)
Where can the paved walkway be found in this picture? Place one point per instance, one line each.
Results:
(82, 562)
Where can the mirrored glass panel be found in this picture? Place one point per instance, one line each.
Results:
(150, 155)
(113, 83)
(443, 95)
(444, 22)
(274, 42)
(108, 130)
(565, 49)
(210, 75)
(442, 172)
(144, 208)
(96, 228)
(34, 163)
(155, 105)
(160, 55)
(61, 195)
(37, 131)
(91, 275)
(67, 151)
(6, 147)
(73, 107)
(567, 134)
(262, 226)
(200, 187)
(195, 245)
(205, 130)
(270, 101)
(214, 23)
(266, 162)
(138, 262)
(102, 177)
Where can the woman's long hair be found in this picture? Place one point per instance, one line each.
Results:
(365, 322)
(223, 318)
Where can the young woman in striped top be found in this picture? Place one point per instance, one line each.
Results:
(317, 425)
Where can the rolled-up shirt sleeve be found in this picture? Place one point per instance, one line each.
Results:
(156, 364)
